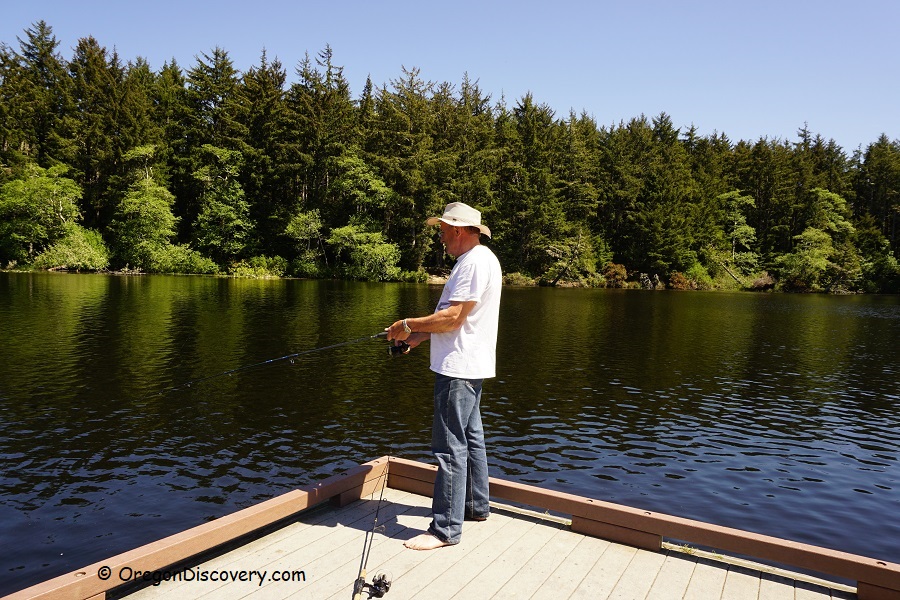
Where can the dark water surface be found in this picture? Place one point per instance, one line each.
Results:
(773, 413)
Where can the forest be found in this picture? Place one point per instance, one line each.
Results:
(111, 165)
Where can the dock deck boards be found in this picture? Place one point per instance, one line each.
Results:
(510, 555)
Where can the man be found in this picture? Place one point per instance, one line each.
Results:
(463, 334)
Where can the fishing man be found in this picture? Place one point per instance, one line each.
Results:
(463, 334)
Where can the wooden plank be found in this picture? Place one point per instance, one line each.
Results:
(282, 550)
(492, 567)
(504, 557)
(265, 550)
(607, 572)
(673, 578)
(741, 584)
(622, 535)
(566, 578)
(386, 551)
(775, 587)
(296, 534)
(540, 566)
(707, 581)
(869, 591)
(426, 567)
(479, 561)
(637, 579)
(339, 581)
(412, 485)
(509, 564)
(333, 565)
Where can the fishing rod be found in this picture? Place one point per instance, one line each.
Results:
(381, 583)
(398, 350)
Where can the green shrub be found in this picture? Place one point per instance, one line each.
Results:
(419, 276)
(518, 279)
(79, 249)
(364, 254)
(307, 265)
(375, 261)
(699, 277)
(260, 267)
(180, 258)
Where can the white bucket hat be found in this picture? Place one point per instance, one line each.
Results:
(458, 214)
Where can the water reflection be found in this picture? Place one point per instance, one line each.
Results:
(766, 412)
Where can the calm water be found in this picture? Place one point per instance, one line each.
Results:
(773, 413)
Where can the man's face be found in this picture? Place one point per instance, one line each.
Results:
(450, 236)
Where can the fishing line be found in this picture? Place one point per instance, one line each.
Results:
(403, 348)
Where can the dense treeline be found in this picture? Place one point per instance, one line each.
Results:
(112, 165)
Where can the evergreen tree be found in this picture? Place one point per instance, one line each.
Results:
(13, 142)
(92, 138)
(580, 169)
(737, 232)
(763, 172)
(268, 176)
(144, 225)
(39, 95)
(399, 147)
(477, 155)
(529, 199)
(223, 224)
(212, 119)
(878, 187)
(170, 113)
(323, 113)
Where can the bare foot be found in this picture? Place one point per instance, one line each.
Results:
(424, 541)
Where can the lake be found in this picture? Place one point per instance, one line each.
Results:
(773, 413)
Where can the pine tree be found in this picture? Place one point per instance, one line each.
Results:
(323, 114)
(212, 119)
(878, 187)
(268, 175)
(91, 142)
(37, 76)
(399, 146)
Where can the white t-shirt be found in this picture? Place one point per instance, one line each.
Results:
(470, 352)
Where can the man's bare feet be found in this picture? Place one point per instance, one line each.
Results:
(424, 541)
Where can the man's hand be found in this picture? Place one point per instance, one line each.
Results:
(397, 332)
(416, 338)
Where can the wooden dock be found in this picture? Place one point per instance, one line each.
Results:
(302, 546)
(509, 556)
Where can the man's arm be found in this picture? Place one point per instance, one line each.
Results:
(446, 319)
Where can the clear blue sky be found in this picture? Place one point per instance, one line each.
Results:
(747, 69)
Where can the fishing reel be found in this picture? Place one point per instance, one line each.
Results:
(403, 348)
(380, 586)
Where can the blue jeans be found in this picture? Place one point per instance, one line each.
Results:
(457, 441)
